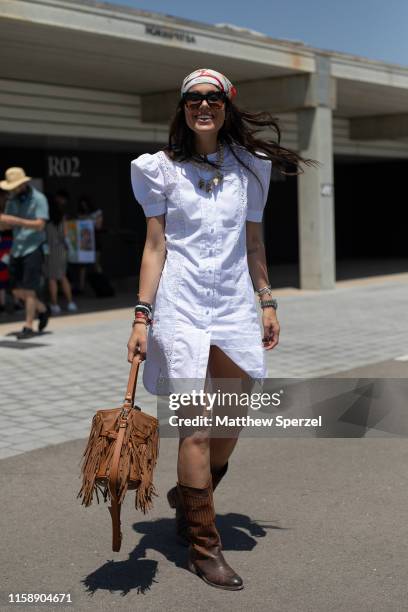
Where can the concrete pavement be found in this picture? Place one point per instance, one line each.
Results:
(51, 391)
(311, 524)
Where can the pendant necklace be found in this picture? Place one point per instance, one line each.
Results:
(208, 184)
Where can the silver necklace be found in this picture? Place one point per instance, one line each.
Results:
(208, 184)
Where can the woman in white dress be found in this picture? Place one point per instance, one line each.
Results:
(203, 197)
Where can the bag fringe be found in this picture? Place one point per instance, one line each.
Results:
(93, 454)
(146, 490)
(137, 454)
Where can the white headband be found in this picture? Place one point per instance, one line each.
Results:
(206, 75)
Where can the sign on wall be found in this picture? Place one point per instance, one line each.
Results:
(64, 166)
(81, 241)
(163, 32)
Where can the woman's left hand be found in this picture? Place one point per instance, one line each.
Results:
(271, 328)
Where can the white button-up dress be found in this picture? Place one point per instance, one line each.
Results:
(205, 295)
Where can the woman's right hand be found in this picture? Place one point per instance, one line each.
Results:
(137, 342)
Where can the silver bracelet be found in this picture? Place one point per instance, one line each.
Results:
(267, 289)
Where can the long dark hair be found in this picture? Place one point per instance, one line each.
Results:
(241, 127)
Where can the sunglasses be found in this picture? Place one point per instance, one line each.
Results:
(214, 99)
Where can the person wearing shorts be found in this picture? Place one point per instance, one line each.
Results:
(26, 213)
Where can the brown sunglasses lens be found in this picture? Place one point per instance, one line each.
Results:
(214, 100)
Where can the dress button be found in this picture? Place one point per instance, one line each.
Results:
(207, 312)
(212, 230)
(210, 252)
(208, 292)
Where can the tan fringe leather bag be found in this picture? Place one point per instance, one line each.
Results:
(121, 454)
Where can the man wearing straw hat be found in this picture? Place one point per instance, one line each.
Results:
(26, 213)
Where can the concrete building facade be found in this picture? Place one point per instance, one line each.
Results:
(85, 87)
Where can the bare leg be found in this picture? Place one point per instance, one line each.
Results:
(195, 513)
(21, 294)
(30, 307)
(53, 288)
(18, 294)
(201, 452)
(193, 466)
(66, 288)
(221, 366)
(40, 306)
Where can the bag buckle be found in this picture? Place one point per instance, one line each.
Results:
(124, 414)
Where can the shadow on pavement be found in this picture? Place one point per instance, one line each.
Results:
(124, 576)
(139, 573)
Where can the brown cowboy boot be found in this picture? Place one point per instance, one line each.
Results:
(205, 556)
(175, 502)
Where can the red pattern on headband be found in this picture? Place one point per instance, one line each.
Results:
(205, 73)
(214, 77)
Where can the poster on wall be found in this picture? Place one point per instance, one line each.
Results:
(81, 241)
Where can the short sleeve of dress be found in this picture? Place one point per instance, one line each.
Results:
(258, 190)
(148, 185)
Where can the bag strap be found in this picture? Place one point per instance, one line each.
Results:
(115, 506)
(113, 479)
(132, 382)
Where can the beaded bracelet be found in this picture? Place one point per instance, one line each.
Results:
(135, 322)
(143, 312)
(145, 309)
(143, 316)
(264, 291)
(144, 306)
(269, 303)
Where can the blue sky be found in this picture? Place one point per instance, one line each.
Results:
(376, 29)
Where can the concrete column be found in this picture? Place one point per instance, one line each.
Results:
(315, 186)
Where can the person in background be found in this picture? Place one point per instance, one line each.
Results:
(93, 273)
(26, 213)
(87, 210)
(56, 260)
(6, 240)
(84, 211)
(97, 217)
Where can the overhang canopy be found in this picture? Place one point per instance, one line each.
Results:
(100, 47)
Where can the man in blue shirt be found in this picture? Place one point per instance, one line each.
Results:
(26, 213)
